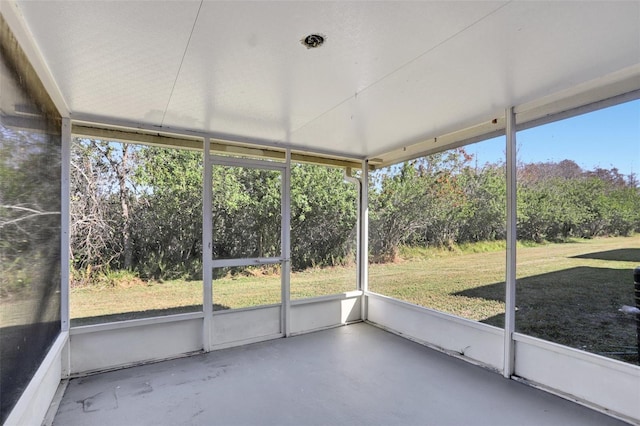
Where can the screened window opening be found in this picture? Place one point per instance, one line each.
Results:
(437, 231)
(324, 221)
(136, 231)
(30, 182)
(578, 225)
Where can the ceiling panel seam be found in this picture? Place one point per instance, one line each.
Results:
(406, 64)
(186, 48)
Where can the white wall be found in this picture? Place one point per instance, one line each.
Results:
(241, 326)
(114, 345)
(324, 312)
(605, 384)
(102, 347)
(478, 342)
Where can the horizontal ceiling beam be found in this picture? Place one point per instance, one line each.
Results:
(195, 143)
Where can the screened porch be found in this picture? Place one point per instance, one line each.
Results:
(319, 212)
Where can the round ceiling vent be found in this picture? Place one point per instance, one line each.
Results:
(313, 40)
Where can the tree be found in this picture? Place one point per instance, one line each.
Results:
(102, 204)
(559, 200)
(398, 204)
(148, 201)
(419, 202)
(484, 214)
(323, 217)
(167, 235)
(119, 160)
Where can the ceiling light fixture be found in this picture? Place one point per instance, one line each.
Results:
(313, 40)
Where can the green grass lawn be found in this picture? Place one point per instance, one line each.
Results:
(569, 293)
(90, 305)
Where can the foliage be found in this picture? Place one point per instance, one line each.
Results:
(437, 200)
(323, 217)
(585, 204)
(441, 200)
(102, 197)
(139, 208)
(160, 190)
(167, 236)
(417, 203)
(247, 217)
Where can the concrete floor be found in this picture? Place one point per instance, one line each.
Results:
(350, 375)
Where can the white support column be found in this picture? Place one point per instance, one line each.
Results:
(358, 234)
(363, 242)
(207, 245)
(510, 279)
(358, 184)
(65, 241)
(285, 244)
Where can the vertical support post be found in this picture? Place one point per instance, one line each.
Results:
(363, 242)
(348, 177)
(285, 244)
(65, 239)
(207, 245)
(510, 279)
(636, 291)
(358, 234)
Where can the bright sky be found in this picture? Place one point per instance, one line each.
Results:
(606, 138)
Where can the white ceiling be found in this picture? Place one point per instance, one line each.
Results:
(390, 73)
